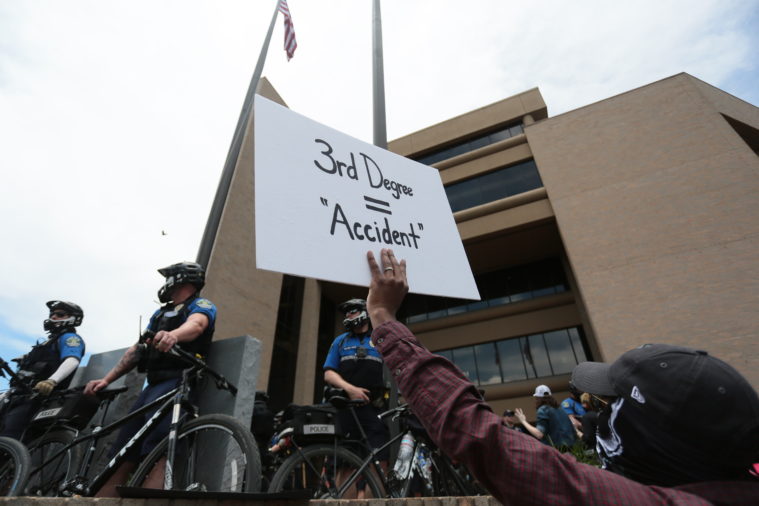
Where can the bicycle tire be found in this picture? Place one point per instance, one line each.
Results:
(313, 467)
(45, 482)
(198, 464)
(447, 480)
(15, 465)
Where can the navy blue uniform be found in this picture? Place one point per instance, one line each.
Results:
(164, 372)
(358, 362)
(39, 364)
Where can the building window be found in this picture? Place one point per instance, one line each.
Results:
(471, 145)
(520, 358)
(494, 185)
(504, 286)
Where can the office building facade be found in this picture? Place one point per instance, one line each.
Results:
(627, 221)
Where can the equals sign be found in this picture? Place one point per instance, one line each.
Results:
(385, 210)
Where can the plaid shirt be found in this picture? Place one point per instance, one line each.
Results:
(516, 468)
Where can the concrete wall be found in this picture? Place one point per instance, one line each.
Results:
(247, 298)
(656, 200)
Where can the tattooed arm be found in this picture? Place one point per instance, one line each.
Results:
(125, 364)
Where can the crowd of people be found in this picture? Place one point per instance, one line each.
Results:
(671, 425)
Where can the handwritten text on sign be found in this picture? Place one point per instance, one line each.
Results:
(322, 199)
(355, 229)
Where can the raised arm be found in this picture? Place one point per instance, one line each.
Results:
(514, 467)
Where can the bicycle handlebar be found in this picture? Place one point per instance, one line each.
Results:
(395, 412)
(19, 381)
(194, 360)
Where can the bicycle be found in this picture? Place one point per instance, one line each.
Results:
(14, 466)
(202, 453)
(332, 470)
(43, 430)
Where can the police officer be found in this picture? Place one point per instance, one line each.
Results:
(354, 365)
(49, 365)
(186, 319)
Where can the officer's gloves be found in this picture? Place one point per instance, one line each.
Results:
(44, 387)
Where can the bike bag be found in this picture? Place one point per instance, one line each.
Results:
(313, 423)
(73, 409)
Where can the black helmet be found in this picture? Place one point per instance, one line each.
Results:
(178, 274)
(73, 311)
(356, 321)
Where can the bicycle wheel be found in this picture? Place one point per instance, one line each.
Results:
(324, 469)
(44, 481)
(447, 480)
(14, 466)
(214, 453)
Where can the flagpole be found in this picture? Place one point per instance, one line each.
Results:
(217, 207)
(378, 82)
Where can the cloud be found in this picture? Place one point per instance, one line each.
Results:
(117, 117)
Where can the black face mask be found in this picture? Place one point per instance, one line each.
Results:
(631, 443)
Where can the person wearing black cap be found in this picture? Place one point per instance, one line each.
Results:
(673, 415)
(517, 469)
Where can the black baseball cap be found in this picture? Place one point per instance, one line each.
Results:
(684, 392)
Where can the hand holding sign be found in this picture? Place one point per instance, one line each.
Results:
(387, 288)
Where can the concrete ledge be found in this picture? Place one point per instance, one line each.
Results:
(91, 501)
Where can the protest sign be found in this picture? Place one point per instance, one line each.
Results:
(323, 199)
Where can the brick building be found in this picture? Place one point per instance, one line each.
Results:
(630, 220)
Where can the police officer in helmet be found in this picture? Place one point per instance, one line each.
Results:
(185, 319)
(354, 365)
(49, 365)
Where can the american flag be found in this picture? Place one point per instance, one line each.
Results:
(290, 43)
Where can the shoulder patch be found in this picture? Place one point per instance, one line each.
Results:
(565, 404)
(73, 341)
(204, 303)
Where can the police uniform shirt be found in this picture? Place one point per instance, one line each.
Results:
(170, 318)
(356, 359)
(572, 407)
(70, 344)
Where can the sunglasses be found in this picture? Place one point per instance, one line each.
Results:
(59, 314)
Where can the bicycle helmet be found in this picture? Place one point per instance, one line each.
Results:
(355, 321)
(73, 312)
(178, 274)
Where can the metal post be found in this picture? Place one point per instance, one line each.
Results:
(380, 130)
(217, 207)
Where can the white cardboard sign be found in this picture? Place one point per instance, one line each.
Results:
(323, 199)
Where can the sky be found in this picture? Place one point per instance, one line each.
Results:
(116, 116)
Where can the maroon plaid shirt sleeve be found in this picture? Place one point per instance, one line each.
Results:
(515, 468)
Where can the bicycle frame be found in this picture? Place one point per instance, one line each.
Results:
(369, 460)
(172, 400)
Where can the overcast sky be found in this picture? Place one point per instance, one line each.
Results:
(116, 117)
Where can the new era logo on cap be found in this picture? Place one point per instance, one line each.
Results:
(635, 394)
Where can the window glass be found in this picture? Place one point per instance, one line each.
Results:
(487, 365)
(519, 285)
(560, 351)
(579, 349)
(446, 353)
(536, 356)
(470, 145)
(464, 359)
(496, 288)
(510, 357)
(494, 185)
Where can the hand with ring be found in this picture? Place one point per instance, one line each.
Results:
(388, 287)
